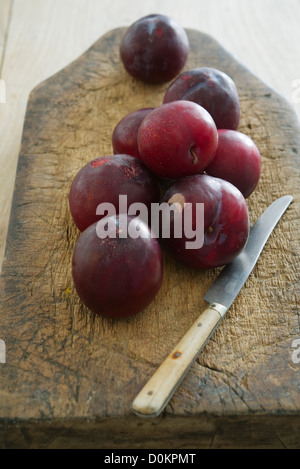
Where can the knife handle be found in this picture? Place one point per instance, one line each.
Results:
(157, 392)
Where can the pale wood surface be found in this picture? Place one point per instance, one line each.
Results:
(45, 35)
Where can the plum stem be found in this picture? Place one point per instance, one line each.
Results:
(195, 161)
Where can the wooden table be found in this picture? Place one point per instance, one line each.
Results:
(40, 37)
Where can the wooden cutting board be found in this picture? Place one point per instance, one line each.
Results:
(69, 377)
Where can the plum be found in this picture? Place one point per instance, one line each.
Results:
(177, 139)
(225, 225)
(124, 137)
(237, 160)
(103, 180)
(154, 49)
(211, 88)
(117, 276)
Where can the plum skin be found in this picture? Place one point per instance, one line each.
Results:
(237, 160)
(124, 136)
(226, 221)
(103, 180)
(117, 277)
(154, 49)
(177, 139)
(211, 88)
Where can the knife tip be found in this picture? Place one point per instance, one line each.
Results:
(288, 199)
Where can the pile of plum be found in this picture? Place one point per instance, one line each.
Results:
(184, 154)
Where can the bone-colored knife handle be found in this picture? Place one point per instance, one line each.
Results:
(157, 392)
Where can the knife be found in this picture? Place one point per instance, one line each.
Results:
(157, 392)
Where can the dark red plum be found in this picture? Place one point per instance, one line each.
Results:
(154, 49)
(237, 160)
(177, 139)
(225, 225)
(103, 180)
(211, 88)
(116, 276)
(124, 137)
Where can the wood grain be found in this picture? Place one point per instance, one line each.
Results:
(69, 371)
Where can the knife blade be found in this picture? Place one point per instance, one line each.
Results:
(157, 392)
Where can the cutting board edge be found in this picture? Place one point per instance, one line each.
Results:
(36, 89)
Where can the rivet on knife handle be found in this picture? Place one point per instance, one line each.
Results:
(158, 391)
(160, 388)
